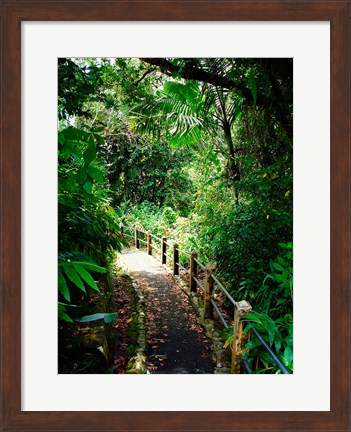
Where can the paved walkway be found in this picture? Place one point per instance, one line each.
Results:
(176, 342)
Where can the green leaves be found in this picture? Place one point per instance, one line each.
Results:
(78, 147)
(282, 272)
(76, 272)
(187, 92)
(90, 153)
(98, 129)
(197, 185)
(265, 323)
(288, 356)
(73, 134)
(254, 343)
(90, 266)
(82, 175)
(107, 317)
(95, 173)
(276, 332)
(63, 315)
(88, 174)
(86, 276)
(88, 186)
(62, 286)
(73, 276)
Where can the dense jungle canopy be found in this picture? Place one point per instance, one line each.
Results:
(199, 150)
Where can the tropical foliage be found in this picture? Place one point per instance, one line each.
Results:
(198, 149)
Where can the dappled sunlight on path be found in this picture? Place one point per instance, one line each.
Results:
(176, 342)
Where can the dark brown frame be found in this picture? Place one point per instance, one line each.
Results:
(16, 11)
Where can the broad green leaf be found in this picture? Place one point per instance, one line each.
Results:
(254, 343)
(285, 245)
(73, 276)
(67, 305)
(281, 301)
(289, 340)
(281, 261)
(271, 329)
(287, 292)
(90, 266)
(88, 186)
(89, 154)
(73, 134)
(82, 175)
(61, 138)
(63, 315)
(288, 356)
(99, 129)
(252, 317)
(86, 276)
(277, 344)
(277, 266)
(95, 173)
(266, 359)
(99, 139)
(62, 286)
(248, 327)
(107, 317)
(110, 317)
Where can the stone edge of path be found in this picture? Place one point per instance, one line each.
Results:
(137, 363)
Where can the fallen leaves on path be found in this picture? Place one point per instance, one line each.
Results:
(176, 342)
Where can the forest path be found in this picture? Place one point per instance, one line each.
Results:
(176, 343)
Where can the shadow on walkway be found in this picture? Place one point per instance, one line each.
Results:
(176, 342)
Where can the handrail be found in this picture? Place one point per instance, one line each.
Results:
(170, 257)
(128, 227)
(199, 283)
(129, 235)
(192, 273)
(183, 268)
(247, 366)
(219, 313)
(199, 264)
(223, 289)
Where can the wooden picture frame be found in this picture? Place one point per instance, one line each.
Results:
(13, 13)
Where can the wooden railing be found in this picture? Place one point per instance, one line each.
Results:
(207, 287)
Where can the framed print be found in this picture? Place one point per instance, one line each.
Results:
(316, 34)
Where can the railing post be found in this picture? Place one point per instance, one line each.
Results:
(149, 246)
(193, 271)
(122, 230)
(163, 250)
(175, 259)
(241, 308)
(209, 285)
(136, 238)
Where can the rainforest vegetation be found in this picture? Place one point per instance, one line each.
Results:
(199, 150)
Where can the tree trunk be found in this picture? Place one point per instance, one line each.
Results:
(233, 169)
